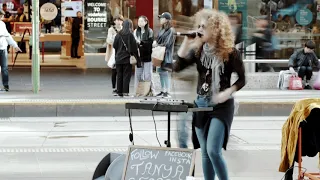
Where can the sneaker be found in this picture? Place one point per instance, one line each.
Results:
(307, 87)
(160, 94)
(166, 95)
(5, 88)
(114, 91)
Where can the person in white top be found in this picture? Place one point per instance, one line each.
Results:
(112, 32)
(5, 39)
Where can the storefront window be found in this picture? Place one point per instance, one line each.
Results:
(99, 17)
(58, 41)
(181, 7)
(292, 22)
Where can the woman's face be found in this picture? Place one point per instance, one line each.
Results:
(163, 21)
(202, 29)
(118, 22)
(142, 22)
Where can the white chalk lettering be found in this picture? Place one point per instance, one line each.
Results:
(137, 167)
(170, 171)
(180, 160)
(179, 171)
(179, 154)
(147, 167)
(143, 155)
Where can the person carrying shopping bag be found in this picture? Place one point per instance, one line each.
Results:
(126, 55)
(143, 76)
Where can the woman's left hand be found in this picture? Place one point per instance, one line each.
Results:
(221, 97)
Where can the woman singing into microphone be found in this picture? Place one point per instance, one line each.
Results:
(216, 59)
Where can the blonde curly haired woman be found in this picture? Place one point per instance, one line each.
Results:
(216, 59)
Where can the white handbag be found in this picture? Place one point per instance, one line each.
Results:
(158, 55)
(112, 59)
(158, 52)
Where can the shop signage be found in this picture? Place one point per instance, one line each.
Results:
(48, 11)
(70, 8)
(19, 27)
(304, 17)
(96, 14)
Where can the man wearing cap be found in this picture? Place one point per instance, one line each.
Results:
(304, 60)
(5, 39)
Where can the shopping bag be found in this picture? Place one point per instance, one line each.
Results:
(143, 88)
(295, 83)
(316, 84)
(112, 59)
(158, 55)
(283, 80)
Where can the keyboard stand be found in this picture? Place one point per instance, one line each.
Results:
(169, 108)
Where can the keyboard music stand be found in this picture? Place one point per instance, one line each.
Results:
(169, 108)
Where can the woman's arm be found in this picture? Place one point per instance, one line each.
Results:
(134, 50)
(170, 39)
(115, 42)
(239, 69)
(135, 35)
(187, 45)
(110, 38)
(148, 43)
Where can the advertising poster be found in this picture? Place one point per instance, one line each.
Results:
(70, 8)
(238, 7)
(98, 19)
(12, 5)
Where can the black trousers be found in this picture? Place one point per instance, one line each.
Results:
(74, 46)
(305, 71)
(48, 27)
(124, 72)
(114, 78)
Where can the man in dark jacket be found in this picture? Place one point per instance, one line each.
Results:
(304, 60)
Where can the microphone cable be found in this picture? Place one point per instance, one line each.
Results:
(155, 124)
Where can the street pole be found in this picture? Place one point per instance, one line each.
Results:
(35, 47)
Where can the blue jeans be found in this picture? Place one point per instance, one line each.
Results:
(4, 67)
(211, 146)
(183, 131)
(164, 80)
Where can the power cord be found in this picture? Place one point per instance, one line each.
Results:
(130, 122)
(155, 124)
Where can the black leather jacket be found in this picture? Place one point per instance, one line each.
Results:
(298, 57)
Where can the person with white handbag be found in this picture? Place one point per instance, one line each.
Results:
(110, 52)
(126, 55)
(165, 39)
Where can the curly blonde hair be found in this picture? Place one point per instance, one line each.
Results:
(219, 25)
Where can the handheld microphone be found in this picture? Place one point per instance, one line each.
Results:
(192, 35)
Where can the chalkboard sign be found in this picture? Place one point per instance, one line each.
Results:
(157, 163)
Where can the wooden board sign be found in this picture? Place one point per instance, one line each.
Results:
(158, 163)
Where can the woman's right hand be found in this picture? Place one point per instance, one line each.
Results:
(154, 44)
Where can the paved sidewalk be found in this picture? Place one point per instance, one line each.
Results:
(75, 84)
(71, 148)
